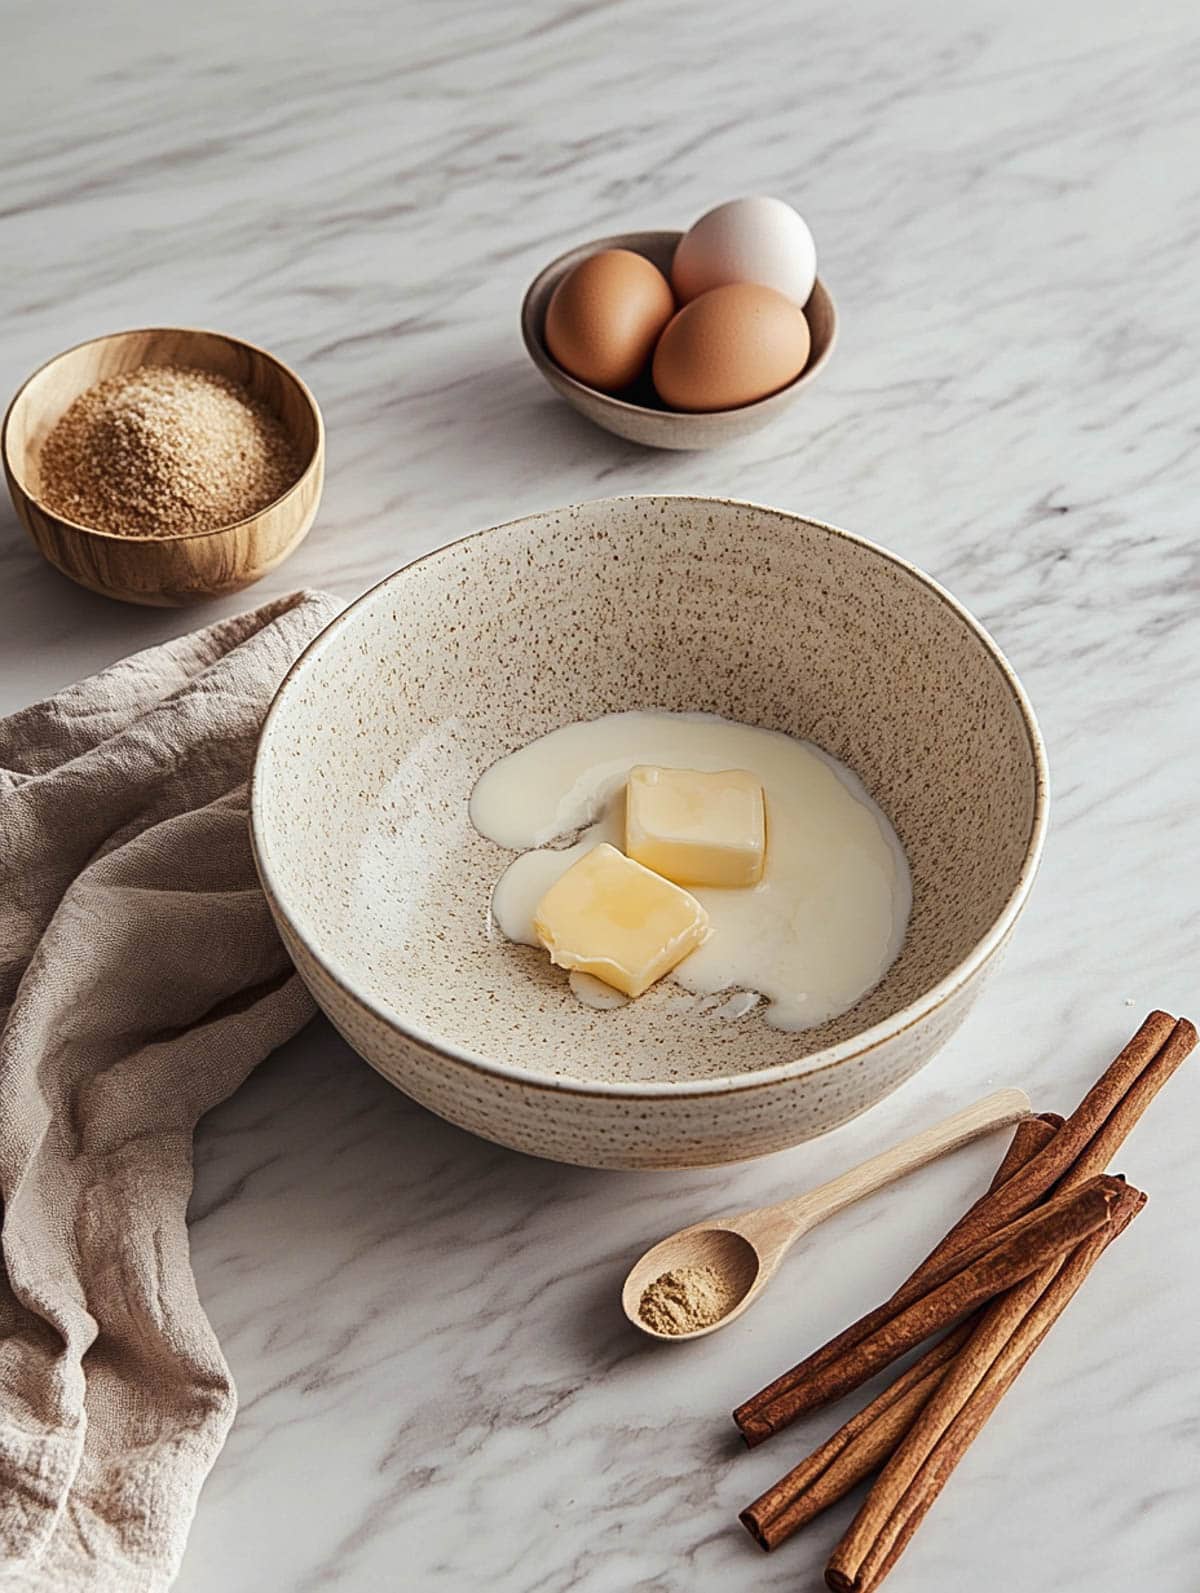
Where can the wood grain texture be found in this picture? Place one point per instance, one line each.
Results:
(164, 572)
(748, 1249)
(648, 422)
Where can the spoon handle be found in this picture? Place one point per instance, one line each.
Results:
(994, 1111)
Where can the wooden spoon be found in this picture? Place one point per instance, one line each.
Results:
(747, 1249)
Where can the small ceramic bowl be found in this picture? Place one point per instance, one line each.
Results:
(168, 571)
(640, 416)
(381, 887)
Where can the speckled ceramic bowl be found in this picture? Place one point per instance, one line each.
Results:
(380, 886)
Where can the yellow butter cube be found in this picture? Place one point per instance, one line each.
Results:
(697, 828)
(610, 917)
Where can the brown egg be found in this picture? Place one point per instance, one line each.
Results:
(605, 316)
(730, 346)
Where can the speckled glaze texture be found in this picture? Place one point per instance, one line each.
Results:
(381, 887)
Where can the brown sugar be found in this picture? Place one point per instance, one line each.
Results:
(163, 451)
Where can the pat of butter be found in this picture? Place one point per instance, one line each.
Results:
(696, 828)
(610, 917)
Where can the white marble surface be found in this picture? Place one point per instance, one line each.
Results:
(437, 1390)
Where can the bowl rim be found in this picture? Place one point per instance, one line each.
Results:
(827, 1057)
(311, 463)
(535, 343)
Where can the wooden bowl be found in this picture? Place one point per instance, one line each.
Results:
(639, 415)
(381, 886)
(164, 571)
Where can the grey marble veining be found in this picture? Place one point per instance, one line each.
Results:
(437, 1389)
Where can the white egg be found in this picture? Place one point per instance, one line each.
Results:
(747, 240)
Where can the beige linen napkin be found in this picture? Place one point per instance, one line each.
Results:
(140, 981)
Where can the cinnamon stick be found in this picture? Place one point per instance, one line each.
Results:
(1109, 1138)
(1004, 1259)
(1103, 1117)
(861, 1445)
(1037, 1177)
(977, 1380)
(1031, 1135)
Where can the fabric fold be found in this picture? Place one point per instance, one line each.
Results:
(141, 980)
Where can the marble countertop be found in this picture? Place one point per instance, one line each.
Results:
(437, 1390)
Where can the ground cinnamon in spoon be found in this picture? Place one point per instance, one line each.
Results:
(686, 1299)
(165, 450)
